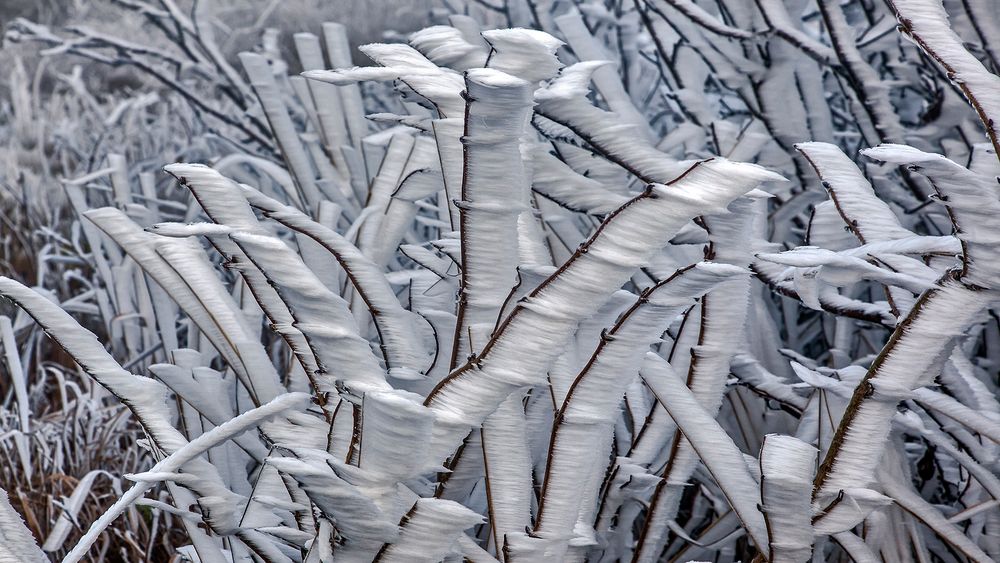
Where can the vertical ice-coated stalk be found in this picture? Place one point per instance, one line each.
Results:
(787, 466)
(494, 183)
(338, 50)
(494, 187)
(448, 138)
(326, 98)
(299, 164)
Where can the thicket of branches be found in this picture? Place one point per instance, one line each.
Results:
(660, 280)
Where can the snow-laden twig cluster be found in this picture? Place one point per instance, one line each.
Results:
(540, 308)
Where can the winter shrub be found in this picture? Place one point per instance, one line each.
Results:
(664, 280)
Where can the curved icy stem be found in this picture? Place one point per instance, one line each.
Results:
(321, 315)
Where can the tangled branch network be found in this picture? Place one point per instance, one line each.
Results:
(661, 280)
